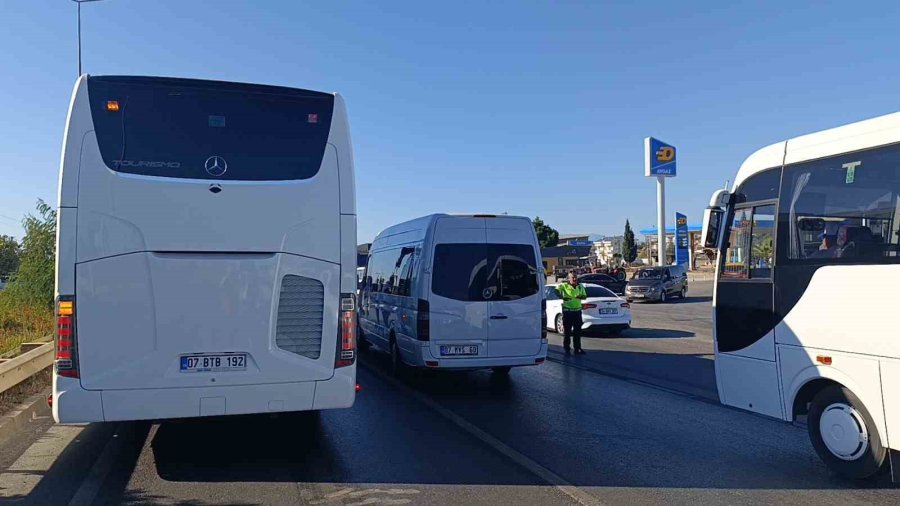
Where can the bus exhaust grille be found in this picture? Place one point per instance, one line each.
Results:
(300, 307)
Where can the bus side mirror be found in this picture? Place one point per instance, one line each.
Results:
(712, 224)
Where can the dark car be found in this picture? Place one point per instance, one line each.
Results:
(605, 280)
(657, 283)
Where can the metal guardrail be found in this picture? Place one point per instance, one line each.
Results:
(26, 365)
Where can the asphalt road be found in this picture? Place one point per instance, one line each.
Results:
(560, 433)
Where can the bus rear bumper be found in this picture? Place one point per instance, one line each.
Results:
(73, 404)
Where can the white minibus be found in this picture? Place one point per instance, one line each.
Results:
(206, 251)
(456, 292)
(808, 244)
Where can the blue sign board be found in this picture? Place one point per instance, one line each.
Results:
(682, 241)
(659, 158)
(580, 243)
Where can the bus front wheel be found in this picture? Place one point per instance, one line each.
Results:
(844, 434)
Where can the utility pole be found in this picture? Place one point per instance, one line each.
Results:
(78, 14)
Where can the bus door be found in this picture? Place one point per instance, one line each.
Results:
(744, 316)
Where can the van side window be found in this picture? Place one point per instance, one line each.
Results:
(404, 273)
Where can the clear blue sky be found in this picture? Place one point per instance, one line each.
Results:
(535, 108)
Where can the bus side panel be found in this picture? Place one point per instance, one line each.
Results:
(890, 378)
(823, 315)
(66, 218)
(857, 373)
(348, 253)
(340, 139)
(749, 384)
(78, 123)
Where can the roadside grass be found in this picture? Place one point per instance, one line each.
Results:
(21, 322)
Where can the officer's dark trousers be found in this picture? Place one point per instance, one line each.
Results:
(572, 328)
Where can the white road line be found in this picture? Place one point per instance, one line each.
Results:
(580, 496)
(89, 488)
(26, 472)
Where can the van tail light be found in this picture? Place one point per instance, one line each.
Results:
(588, 306)
(346, 347)
(66, 359)
(423, 321)
(543, 318)
(625, 305)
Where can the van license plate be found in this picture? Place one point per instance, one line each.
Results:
(609, 310)
(459, 350)
(214, 363)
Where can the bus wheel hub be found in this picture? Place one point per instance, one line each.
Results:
(844, 431)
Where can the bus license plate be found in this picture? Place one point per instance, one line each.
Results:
(609, 310)
(214, 363)
(459, 350)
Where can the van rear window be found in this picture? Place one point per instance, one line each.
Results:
(484, 272)
(209, 130)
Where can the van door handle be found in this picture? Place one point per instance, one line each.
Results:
(498, 317)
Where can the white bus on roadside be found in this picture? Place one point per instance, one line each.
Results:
(206, 251)
(808, 272)
(456, 292)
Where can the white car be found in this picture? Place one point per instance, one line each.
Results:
(601, 310)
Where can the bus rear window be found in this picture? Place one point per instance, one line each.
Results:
(209, 130)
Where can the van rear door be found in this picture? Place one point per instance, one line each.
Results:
(514, 324)
(458, 301)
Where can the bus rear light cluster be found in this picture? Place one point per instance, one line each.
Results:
(66, 359)
(346, 350)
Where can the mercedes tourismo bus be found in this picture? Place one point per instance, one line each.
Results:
(206, 251)
(806, 289)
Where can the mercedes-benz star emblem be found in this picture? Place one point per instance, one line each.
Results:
(215, 165)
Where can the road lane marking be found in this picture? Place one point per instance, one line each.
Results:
(578, 495)
(91, 484)
(19, 479)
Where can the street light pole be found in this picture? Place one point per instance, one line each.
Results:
(78, 15)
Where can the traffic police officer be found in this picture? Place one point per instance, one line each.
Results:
(572, 293)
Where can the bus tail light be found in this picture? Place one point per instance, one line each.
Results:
(346, 347)
(423, 320)
(66, 359)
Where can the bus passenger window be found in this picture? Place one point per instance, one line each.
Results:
(762, 242)
(836, 218)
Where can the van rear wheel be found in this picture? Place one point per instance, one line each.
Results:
(844, 434)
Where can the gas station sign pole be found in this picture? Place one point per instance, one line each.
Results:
(659, 162)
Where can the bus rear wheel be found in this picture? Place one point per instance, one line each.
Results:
(844, 434)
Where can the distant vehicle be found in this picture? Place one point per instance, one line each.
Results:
(808, 231)
(657, 284)
(605, 280)
(602, 310)
(207, 242)
(455, 292)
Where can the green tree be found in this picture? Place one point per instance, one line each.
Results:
(547, 235)
(33, 281)
(9, 256)
(629, 248)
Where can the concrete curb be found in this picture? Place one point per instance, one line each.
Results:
(23, 414)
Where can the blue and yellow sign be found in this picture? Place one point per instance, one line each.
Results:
(682, 241)
(659, 158)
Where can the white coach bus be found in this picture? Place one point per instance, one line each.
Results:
(206, 251)
(806, 290)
